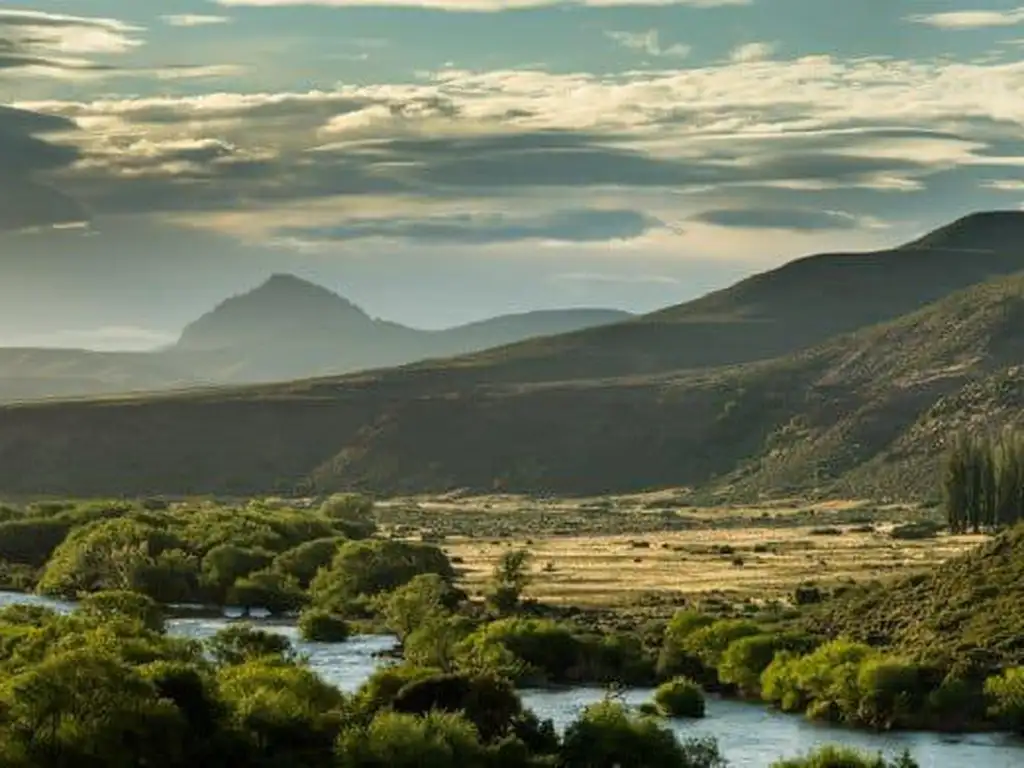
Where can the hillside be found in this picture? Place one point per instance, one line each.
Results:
(967, 608)
(863, 414)
(286, 328)
(801, 304)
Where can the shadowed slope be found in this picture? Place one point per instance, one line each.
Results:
(812, 420)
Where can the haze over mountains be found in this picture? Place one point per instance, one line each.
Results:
(781, 383)
(287, 328)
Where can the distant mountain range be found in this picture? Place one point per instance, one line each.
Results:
(834, 374)
(287, 328)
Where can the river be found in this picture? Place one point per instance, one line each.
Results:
(750, 736)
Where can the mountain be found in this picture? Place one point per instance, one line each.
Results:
(862, 414)
(286, 328)
(775, 313)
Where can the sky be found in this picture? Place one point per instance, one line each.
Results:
(441, 161)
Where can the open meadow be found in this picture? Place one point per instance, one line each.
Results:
(632, 551)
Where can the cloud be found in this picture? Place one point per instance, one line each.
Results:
(193, 20)
(750, 52)
(104, 339)
(479, 6)
(786, 125)
(775, 218)
(25, 201)
(578, 226)
(648, 42)
(40, 34)
(970, 19)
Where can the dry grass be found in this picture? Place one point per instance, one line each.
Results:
(613, 570)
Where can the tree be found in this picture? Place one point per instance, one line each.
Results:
(87, 708)
(110, 554)
(114, 604)
(511, 576)
(240, 643)
(226, 564)
(368, 568)
(352, 512)
(273, 591)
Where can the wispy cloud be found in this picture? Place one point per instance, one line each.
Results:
(648, 42)
(193, 20)
(970, 19)
(750, 52)
(47, 34)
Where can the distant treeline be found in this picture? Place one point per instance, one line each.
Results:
(984, 481)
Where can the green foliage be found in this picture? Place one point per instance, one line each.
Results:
(745, 659)
(352, 512)
(322, 626)
(241, 643)
(368, 568)
(984, 481)
(842, 757)
(540, 651)
(276, 592)
(424, 598)
(510, 578)
(225, 564)
(1005, 693)
(680, 697)
(109, 554)
(968, 610)
(852, 683)
(303, 561)
(105, 606)
(607, 734)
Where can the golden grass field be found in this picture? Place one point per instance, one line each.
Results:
(609, 570)
(636, 550)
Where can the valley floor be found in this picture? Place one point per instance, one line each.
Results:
(647, 552)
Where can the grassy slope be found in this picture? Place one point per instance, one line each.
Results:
(882, 396)
(970, 606)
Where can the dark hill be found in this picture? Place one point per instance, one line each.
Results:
(881, 399)
(775, 313)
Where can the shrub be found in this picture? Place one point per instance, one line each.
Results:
(240, 643)
(372, 567)
(745, 660)
(680, 697)
(606, 734)
(916, 531)
(1005, 694)
(320, 626)
(303, 562)
(842, 757)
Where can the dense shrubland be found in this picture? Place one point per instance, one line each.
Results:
(105, 685)
(332, 570)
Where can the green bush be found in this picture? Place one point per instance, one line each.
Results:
(1005, 693)
(842, 757)
(368, 568)
(320, 626)
(680, 698)
(606, 734)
